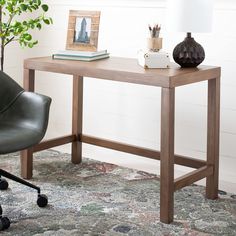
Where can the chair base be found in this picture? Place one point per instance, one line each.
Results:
(42, 200)
(17, 179)
(4, 223)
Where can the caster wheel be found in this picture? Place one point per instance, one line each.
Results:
(3, 184)
(42, 200)
(4, 223)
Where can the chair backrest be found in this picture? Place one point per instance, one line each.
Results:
(9, 91)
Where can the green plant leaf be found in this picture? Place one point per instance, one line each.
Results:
(2, 2)
(27, 37)
(39, 26)
(45, 7)
(23, 7)
(50, 19)
(30, 45)
(9, 7)
(46, 21)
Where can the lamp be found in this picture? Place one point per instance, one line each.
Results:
(190, 16)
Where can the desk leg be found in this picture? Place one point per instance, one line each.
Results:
(27, 154)
(77, 118)
(213, 123)
(167, 155)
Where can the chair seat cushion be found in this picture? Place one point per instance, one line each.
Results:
(14, 138)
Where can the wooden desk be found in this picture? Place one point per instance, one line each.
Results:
(127, 70)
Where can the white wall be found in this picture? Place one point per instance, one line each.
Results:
(131, 113)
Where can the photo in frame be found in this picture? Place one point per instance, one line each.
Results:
(83, 29)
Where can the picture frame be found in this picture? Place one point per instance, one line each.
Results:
(83, 29)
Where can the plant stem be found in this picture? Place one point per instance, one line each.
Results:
(2, 41)
(2, 56)
(11, 39)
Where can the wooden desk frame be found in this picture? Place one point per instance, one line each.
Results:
(167, 80)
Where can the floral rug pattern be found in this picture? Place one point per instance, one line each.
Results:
(96, 198)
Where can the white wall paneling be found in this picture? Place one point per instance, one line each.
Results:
(131, 113)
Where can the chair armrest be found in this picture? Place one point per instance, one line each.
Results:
(30, 110)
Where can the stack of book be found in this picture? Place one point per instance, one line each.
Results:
(80, 55)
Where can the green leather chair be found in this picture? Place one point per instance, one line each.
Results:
(23, 123)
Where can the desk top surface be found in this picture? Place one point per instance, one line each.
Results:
(125, 70)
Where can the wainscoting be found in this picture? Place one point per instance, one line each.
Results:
(131, 113)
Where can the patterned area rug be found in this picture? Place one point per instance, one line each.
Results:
(97, 198)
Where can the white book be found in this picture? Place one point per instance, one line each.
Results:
(80, 58)
(81, 53)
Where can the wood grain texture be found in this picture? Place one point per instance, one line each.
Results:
(26, 156)
(167, 155)
(213, 126)
(77, 118)
(54, 143)
(128, 70)
(190, 77)
(125, 70)
(26, 159)
(140, 151)
(29, 80)
(192, 177)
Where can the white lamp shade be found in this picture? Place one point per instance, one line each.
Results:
(191, 15)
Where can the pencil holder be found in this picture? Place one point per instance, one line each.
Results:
(154, 44)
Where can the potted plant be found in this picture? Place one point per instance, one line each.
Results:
(17, 22)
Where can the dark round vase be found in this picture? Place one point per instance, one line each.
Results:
(189, 53)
